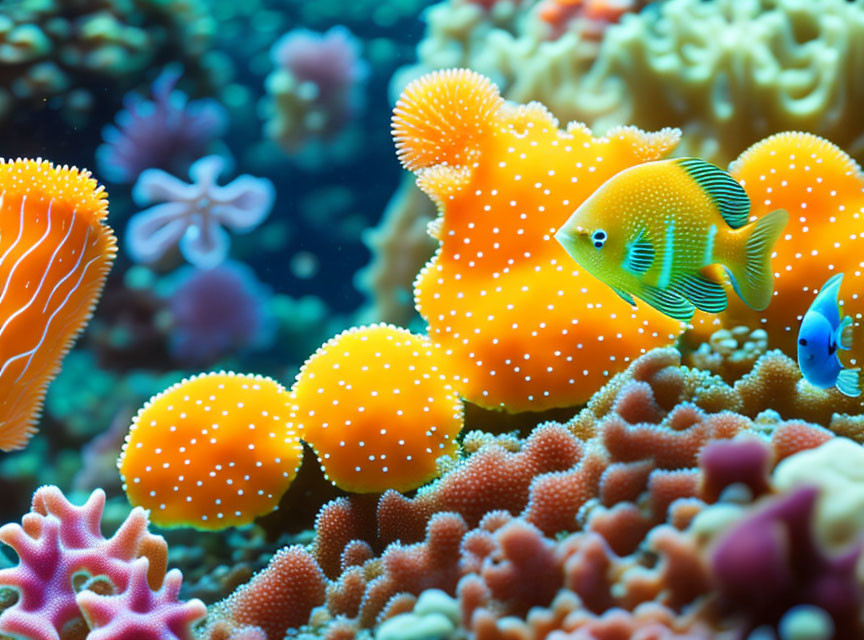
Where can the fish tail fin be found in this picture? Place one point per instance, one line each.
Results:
(848, 383)
(751, 277)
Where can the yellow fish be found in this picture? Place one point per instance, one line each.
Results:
(656, 231)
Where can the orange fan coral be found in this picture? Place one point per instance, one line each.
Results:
(377, 408)
(822, 188)
(55, 252)
(211, 451)
(521, 326)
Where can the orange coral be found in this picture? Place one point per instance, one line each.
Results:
(212, 451)
(822, 188)
(55, 252)
(521, 326)
(375, 404)
(592, 17)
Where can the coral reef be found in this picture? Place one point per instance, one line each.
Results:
(55, 253)
(218, 311)
(523, 329)
(70, 58)
(642, 513)
(212, 451)
(166, 132)
(378, 406)
(728, 73)
(193, 215)
(314, 89)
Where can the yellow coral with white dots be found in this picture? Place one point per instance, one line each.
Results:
(822, 188)
(213, 451)
(377, 405)
(521, 325)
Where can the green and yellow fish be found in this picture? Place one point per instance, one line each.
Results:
(658, 230)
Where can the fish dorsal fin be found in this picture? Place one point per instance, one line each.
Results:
(705, 295)
(640, 255)
(667, 301)
(723, 189)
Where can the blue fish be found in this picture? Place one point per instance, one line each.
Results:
(823, 332)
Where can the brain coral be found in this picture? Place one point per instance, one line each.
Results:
(377, 405)
(212, 451)
(55, 253)
(727, 72)
(521, 326)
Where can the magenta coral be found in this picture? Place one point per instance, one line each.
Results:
(60, 546)
(140, 613)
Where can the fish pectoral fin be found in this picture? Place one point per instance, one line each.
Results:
(625, 296)
(848, 383)
(640, 255)
(667, 301)
(843, 335)
(705, 295)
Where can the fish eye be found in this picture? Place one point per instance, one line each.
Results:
(599, 238)
(803, 342)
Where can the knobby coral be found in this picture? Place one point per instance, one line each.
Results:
(378, 406)
(62, 554)
(212, 451)
(55, 253)
(521, 326)
(194, 214)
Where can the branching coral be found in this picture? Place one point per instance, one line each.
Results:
(61, 550)
(55, 253)
(522, 328)
(193, 215)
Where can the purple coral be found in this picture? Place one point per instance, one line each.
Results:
(770, 561)
(167, 132)
(315, 84)
(216, 311)
(59, 547)
(140, 613)
(193, 214)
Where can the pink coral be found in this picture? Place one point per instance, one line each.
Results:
(59, 547)
(140, 613)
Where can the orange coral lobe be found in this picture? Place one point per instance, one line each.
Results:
(822, 188)
(212, 451)
(375, 404)
(522, 326)
(55, 252)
